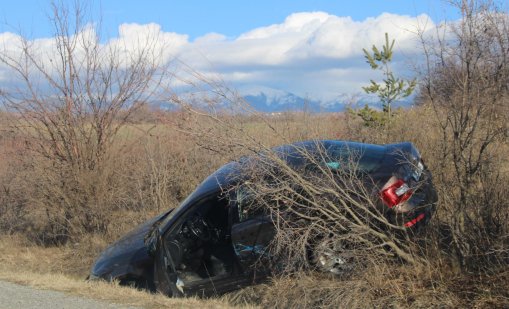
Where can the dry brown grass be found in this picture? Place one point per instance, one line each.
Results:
(381, 286)
(46, 268)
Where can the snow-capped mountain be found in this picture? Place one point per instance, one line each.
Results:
(274, 100)
(270, 100)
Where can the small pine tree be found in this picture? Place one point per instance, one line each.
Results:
(390, 90)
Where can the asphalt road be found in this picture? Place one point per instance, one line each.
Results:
(15, 296)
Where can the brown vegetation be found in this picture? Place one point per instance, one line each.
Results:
(73, 181)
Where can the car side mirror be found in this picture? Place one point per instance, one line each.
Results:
(152, 240)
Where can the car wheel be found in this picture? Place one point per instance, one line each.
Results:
(331, 256)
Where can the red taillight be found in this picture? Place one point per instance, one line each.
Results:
(415, 220)
(396, 193)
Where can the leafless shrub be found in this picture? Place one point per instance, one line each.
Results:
(164, 168)
(70, 98)
(466, 82)
(321, 210)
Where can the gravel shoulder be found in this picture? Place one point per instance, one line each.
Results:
(14, 296)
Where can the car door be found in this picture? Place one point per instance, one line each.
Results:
(177, 274)
(252, 230)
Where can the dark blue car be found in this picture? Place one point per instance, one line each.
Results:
(209, 245)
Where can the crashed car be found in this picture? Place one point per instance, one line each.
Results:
(209, 245)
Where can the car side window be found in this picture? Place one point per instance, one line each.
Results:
(246, 204)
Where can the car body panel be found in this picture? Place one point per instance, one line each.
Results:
(127, 258)
(251, 238)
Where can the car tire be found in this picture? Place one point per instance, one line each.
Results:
(330, 256)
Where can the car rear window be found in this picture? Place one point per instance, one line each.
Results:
(364, 157)
(334, 154)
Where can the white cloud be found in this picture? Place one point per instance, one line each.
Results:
(304, 36)
(312, 53)
(134, 38)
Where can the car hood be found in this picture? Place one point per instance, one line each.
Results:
(127, 255)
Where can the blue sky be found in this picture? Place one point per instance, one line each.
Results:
(310, 48)
(228, 17)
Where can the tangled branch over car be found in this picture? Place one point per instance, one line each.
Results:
(315, 204)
